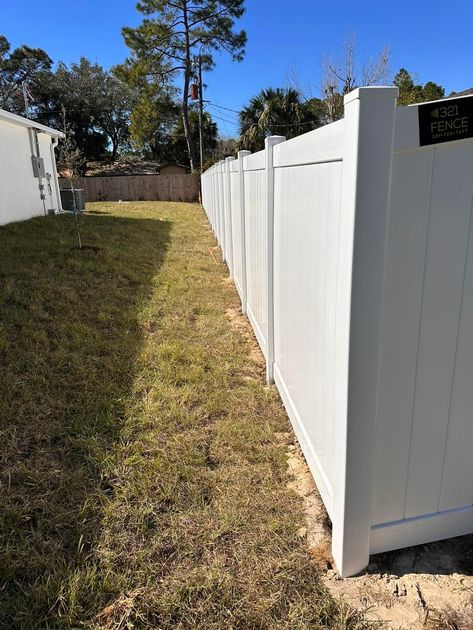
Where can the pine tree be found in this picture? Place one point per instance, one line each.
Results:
(172, 33)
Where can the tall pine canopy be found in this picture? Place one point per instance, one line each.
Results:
(173, 33)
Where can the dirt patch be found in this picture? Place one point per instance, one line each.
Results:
(240, 323)
(428, 586)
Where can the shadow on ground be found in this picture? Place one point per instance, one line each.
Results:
(69, 337)
(438, 558)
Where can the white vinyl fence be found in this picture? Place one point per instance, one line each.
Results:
(350, 247)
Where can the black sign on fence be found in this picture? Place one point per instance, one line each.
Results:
(446, 121)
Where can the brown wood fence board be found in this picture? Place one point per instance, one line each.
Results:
(138, 187)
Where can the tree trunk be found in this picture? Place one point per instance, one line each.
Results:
(114, 149)
(187, 128)
(185, 97)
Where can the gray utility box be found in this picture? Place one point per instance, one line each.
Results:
(73, 199)
(38, 166)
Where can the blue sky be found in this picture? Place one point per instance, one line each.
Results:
(432, 39)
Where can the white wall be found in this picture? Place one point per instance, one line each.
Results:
(357, 277)
(425, 428)
(19, 191)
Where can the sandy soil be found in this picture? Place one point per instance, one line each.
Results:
(428, 586)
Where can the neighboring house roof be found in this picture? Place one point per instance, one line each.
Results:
(464, 93)
(127, 165)
(30, 124)
(63, 171)
(177, 168)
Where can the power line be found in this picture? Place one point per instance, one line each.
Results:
(227, 130)
(231, 122)
(286, 125)
(222, 107)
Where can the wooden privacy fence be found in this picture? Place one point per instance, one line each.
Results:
(351, 248)
(139, 187)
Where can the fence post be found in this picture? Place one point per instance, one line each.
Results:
(269, 144)
(228, 205)
(241, 156)
(367, 164)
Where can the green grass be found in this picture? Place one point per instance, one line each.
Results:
(141, 482)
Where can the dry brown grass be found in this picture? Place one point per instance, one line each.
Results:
(143, 484)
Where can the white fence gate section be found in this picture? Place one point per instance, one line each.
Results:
(352, 251)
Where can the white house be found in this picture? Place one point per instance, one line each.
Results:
(28, 177)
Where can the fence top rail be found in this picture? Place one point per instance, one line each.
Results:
(320, 145)
(255, 161)
(406, 136)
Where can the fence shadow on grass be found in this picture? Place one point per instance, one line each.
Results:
(69, 339)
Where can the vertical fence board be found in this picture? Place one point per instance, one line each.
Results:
(138, 187)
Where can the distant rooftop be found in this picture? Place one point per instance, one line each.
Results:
(464, 93)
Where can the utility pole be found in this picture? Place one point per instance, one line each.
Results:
(201, 110)
(196, 92)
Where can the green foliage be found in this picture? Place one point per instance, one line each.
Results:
(172, 34)
(157, 129)
(410, 92)
(161, 40)
(224, 147)
(22, 65)
(118, 101)
(276, 112)
(152, 120)
(96, 104)
(175, 149)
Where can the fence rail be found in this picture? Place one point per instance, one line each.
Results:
(351, 248)
(139, 187)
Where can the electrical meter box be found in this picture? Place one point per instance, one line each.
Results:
(38, 166)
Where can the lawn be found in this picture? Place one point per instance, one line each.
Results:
(143, 481)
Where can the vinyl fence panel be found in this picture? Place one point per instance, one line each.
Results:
(138, 187)
(425, 432)
(227, 201)
(306, 241)
(236, 217)
(256, 238)
(351, 248)
(221, 208)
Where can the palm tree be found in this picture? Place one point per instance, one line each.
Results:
(275, 111)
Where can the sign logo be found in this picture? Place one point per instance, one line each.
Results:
(445, 122)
